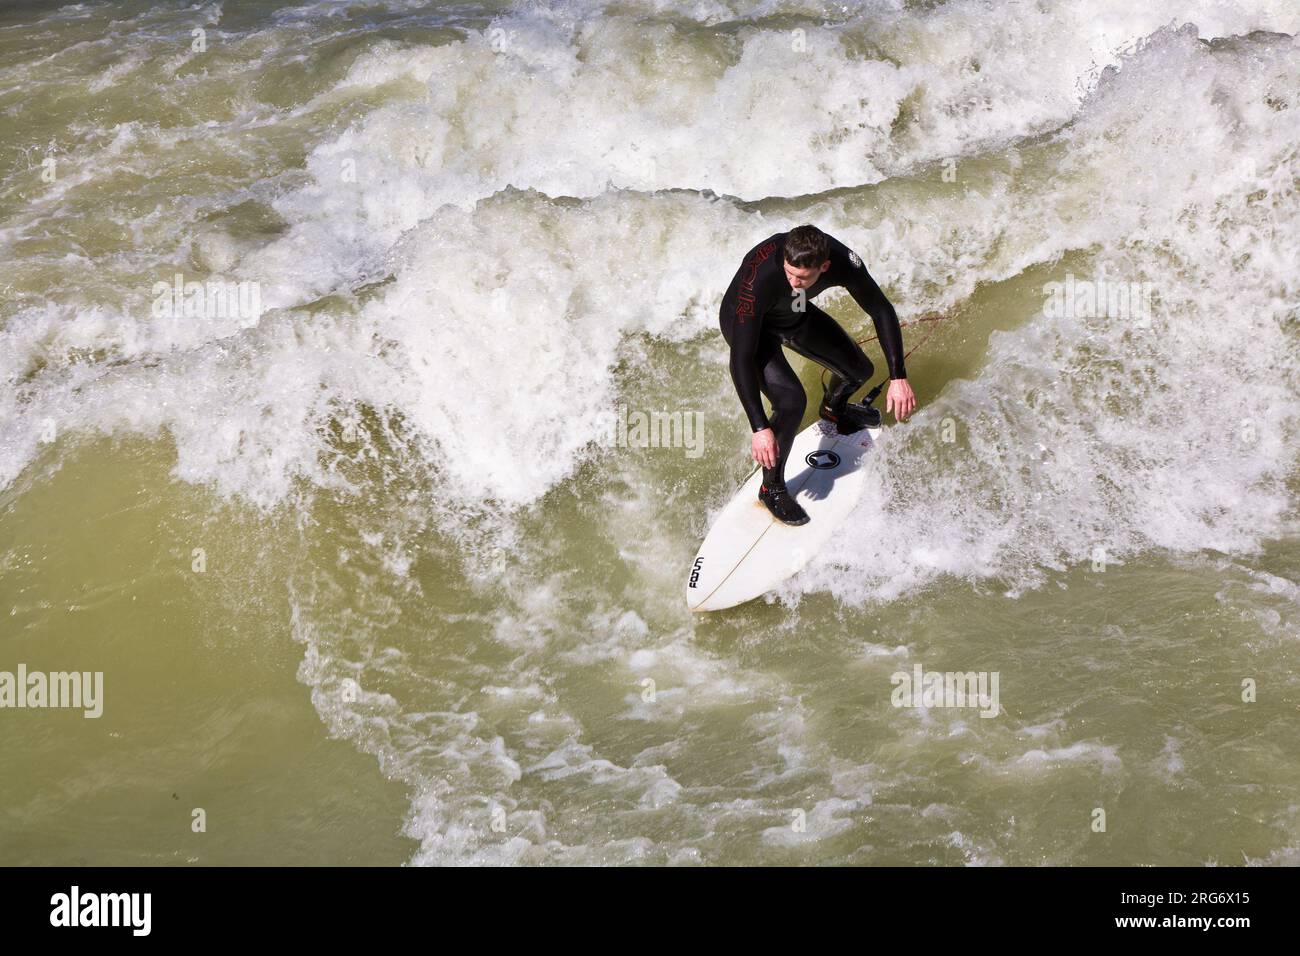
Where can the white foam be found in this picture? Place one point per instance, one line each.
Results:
(1083, 434)
(534, 206)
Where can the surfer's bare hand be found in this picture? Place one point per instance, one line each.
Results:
(764, 448)
(900, 400)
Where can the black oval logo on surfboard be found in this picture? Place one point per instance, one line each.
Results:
(823, 458)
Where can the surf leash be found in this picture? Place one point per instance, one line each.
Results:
(872, 395)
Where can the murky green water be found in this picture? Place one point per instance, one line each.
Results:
(367, 580)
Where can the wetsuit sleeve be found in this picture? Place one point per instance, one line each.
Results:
(744, 368)
(857, 280)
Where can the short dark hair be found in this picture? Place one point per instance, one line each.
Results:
(806, 247)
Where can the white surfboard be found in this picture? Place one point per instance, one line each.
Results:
(748, 552)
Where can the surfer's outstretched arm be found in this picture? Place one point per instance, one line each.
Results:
(857, 280)
(744, 369)
(742, 327)
(867, 294)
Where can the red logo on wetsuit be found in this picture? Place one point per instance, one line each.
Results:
(749, 269)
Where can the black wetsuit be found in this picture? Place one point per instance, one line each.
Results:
(761, 312)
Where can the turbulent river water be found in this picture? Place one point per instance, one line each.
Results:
(372, 575)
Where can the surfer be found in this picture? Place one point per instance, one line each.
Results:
(766, 306)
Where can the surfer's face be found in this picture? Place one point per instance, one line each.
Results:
(805, 277)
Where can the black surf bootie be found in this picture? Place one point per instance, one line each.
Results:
(783, 507)
(851, 418)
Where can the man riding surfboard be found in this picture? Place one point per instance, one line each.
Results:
(766, 306)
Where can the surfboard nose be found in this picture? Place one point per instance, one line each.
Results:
(748, 552)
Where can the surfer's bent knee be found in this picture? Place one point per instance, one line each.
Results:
(868, 370)
(794, 401)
